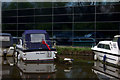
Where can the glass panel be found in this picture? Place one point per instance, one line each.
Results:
(62, 26)
(82, 18)
(43, 11)
(25, 26)
(23, 5)
(9, 13)
(9, 26)
(37, 37)
(107, 26)
(9, 5)
(62, 4)
(9, 19)
(47, 26)
(63, 18)
(83, 3)
(66, 10)
(26, 12)
(84, 9)
(62, 34)
(84, 34)
(108, 17)
(25, 19)
(39, 19)
(43, 4)
(84, 26)
(107, 3)
(110, 36)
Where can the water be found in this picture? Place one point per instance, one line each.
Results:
(13, 69)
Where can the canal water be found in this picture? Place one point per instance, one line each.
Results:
(13, 69)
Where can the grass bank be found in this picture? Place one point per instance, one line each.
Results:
(63, 50)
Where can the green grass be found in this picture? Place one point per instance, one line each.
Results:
(73, 50)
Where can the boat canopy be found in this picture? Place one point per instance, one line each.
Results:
(33, 39)
(34, 32)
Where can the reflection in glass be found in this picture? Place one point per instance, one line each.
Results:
(84, 26)
(62, 26)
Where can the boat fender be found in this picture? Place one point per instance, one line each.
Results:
(104, 58)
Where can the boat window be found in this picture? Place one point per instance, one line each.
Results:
(100, 45)
(4, 38)
(107, 47)
(115, 39)
(37, 37)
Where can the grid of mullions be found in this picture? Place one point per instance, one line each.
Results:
(65, 20)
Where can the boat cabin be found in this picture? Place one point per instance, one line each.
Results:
(5, 40)
(32, 39)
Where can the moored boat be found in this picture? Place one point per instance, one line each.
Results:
(35, 46)
(6, 44)
(108, 51)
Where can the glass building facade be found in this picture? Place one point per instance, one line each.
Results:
(66, 22)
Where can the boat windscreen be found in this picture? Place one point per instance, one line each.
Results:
(37, 37)
(4, 38)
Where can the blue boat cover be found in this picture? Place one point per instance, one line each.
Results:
(36, 45)
(34, 32)
(5, 34)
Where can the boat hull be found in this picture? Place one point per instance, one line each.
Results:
(107, 57)
(36, 55)
(10, 51)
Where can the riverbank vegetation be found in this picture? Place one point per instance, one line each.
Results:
(63, 50)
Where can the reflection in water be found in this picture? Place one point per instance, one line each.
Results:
(22, 70)
(106, 72)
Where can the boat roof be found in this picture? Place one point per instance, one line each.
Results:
(34, 31)
(105, 42)
(117, 36)
(5, 34)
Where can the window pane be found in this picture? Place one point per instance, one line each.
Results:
(62, 34)
(47, 26)
(82, 18)
(62, 26)
(23, 5)
(107, 26)
(9, 13)
(62, 4)
(9, 26)
(111, 34)
(26, 12)
(63, 18)
(39, 19)
(9, 5)
(108, 8)
(43, 11)
(9, 19)
(66, 10)
(108, 17)
(84, 26)
(89, 34)
(25, 19)
(84, 9)
(25, 26)
(43, 4)
(37, 37)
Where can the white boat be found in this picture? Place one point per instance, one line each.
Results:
(108, 51)
(106, 72)
(35, 46)
(6, 44)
